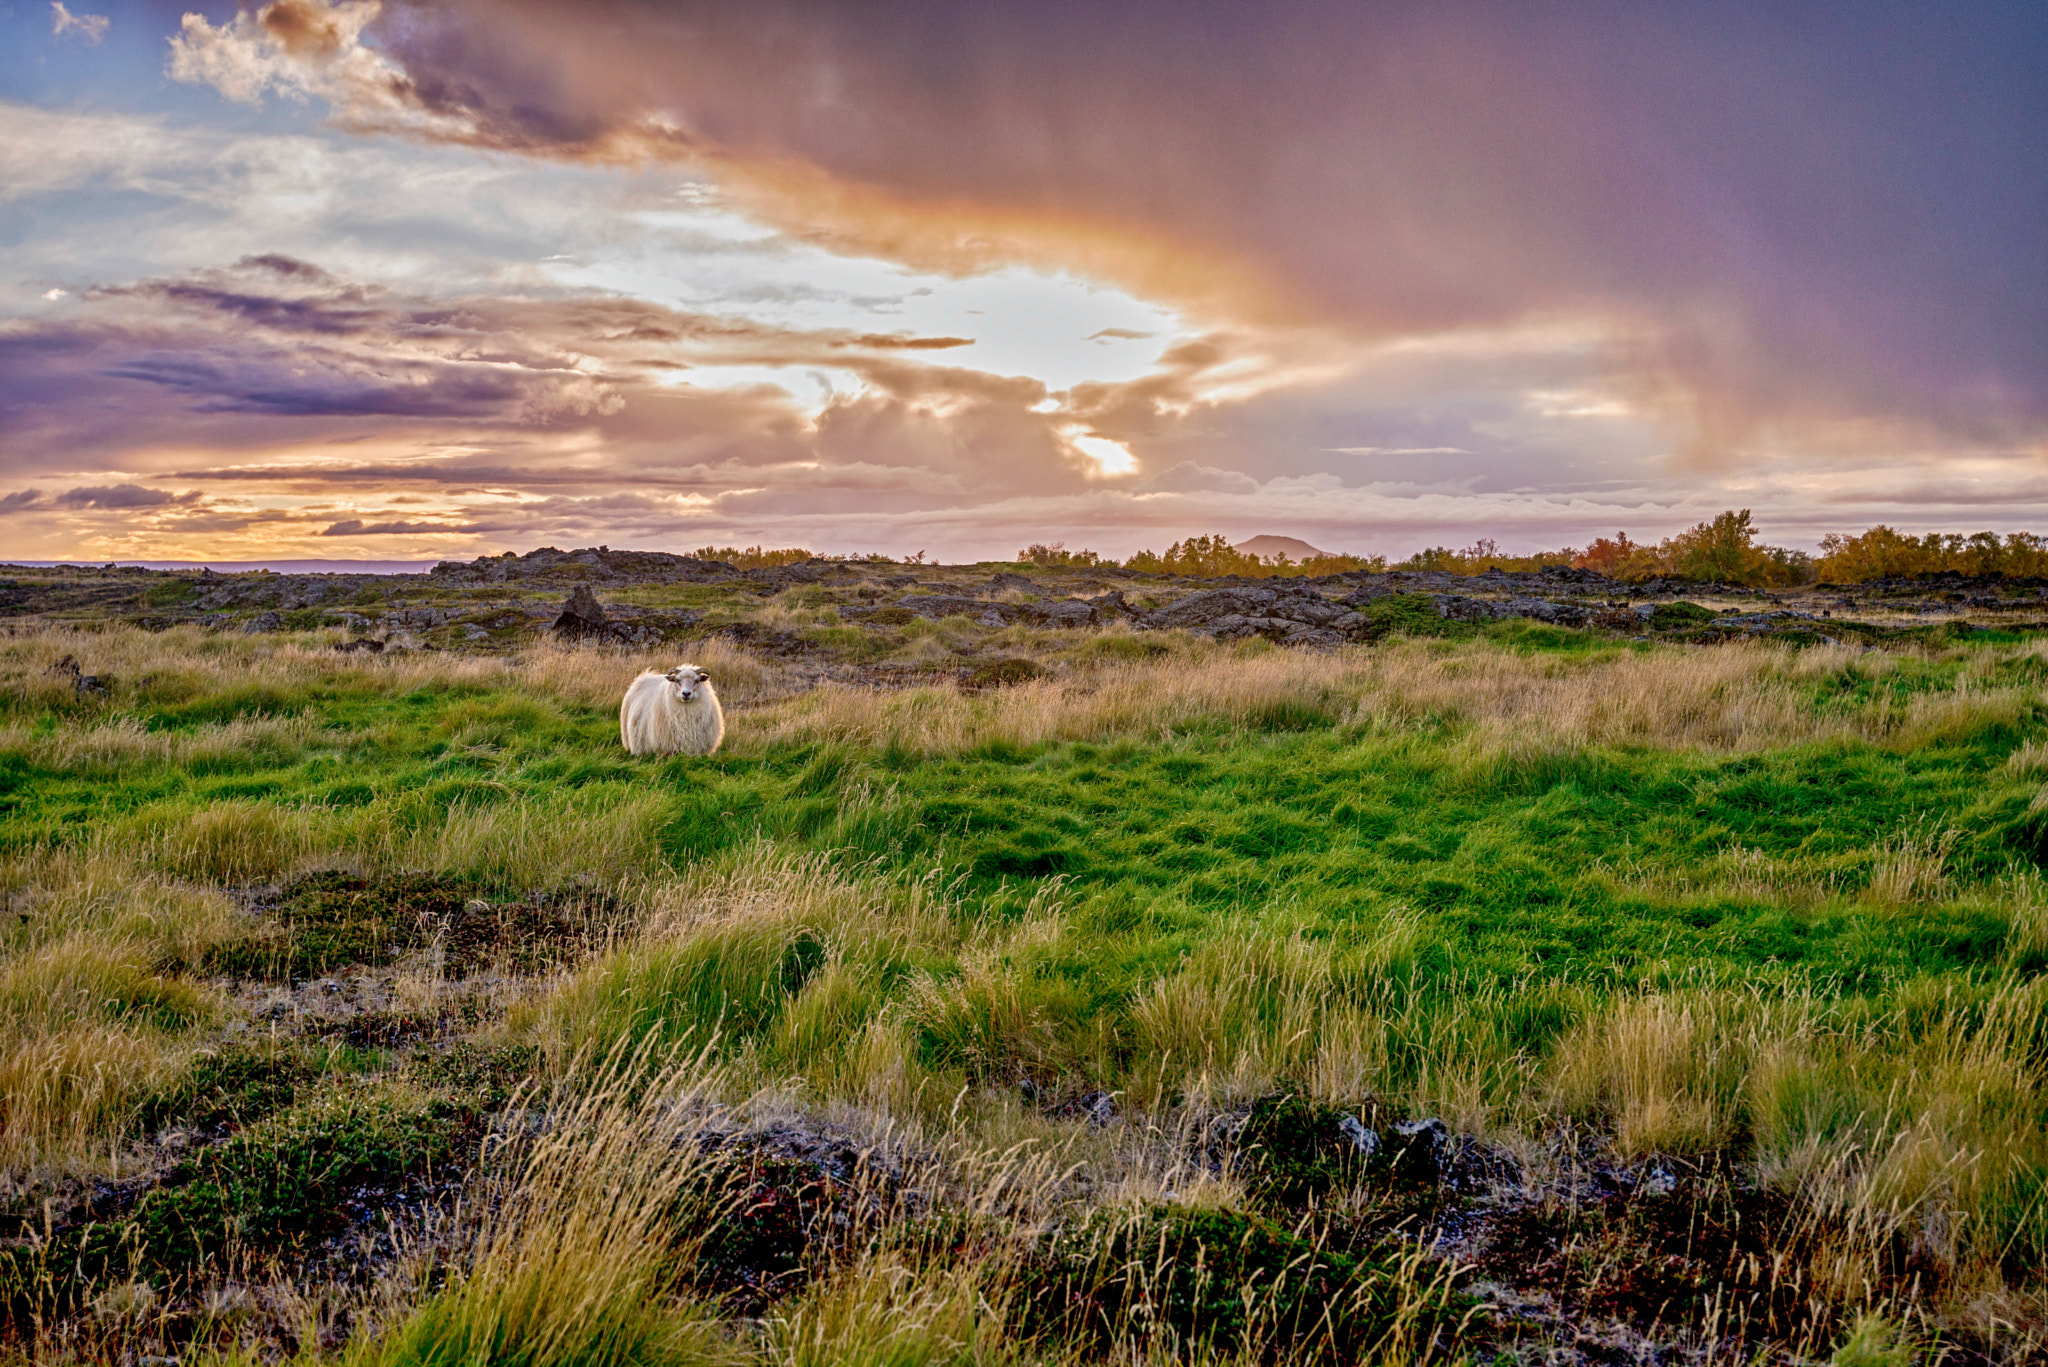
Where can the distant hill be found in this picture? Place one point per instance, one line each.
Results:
(1265, 547)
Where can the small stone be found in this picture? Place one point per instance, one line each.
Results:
(1353, 1131)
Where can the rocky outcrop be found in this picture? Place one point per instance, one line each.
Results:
(1284, 613)
(1457, 607)
(1057, 612)
(601, 563)
(582, 617)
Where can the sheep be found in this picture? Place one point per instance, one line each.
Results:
(672, 713)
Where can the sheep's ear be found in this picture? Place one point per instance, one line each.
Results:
(703, 676)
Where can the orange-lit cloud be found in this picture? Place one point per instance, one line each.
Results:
(1385, 170)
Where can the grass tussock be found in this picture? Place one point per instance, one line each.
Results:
(581, 1237)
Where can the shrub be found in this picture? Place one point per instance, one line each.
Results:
(1227, 1283)
(1057, 555)
(1680, 616)
(1002, 673)
(753, 557)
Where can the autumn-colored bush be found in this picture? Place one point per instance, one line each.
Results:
(753, 557)
(1057, 555)
(1882, 553)
(1482, 555)
(1723, 551)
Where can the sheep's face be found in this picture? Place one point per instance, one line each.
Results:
(688, 682)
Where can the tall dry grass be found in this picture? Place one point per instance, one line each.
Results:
(582, 1234)
(1915, 1124)
(184, 664)
(1739, 697)
(95, 1005)
(1736, 698)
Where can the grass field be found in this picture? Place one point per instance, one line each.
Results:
(383, 1009)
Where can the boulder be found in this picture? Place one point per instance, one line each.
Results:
(1067, 612)
(582, 616)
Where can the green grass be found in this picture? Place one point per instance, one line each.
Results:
(1513, 862)
(1371, 894)
(1514, 868)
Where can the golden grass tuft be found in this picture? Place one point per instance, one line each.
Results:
(887, 1312)
(582, 1234)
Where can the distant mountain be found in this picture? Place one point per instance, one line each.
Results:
(1266, 547)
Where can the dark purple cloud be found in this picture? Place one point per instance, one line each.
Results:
(357, 527)
(117, 496)
(273, 337)
(1821, 220)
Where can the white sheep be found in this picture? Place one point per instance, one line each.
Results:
(676, 713)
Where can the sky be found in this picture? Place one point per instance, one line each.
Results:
(404, 279)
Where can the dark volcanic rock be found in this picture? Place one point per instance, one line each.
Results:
(1008, 580)
(1067, 612)
(1285, 613)
(767, 640)
(602, 562)
(582, 615)
(937, 605)
(806, 572)
(83, 684)
(1058, 612)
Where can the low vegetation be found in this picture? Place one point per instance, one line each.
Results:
(1724, 550)
(1524, 993)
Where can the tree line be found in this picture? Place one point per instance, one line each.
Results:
(1722, 550)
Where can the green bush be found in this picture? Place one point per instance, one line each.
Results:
(1218, 1281)
(1680, 616)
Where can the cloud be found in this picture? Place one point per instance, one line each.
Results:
(1189, 477)
(273, 336)
(539, 412)
(1392, 170)
(114, 496)
(1399, 451)
(19, 499)
(357, 527)
(90, 27)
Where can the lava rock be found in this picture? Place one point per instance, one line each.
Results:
(582, 616)
(937, 605)
(1293, 616)
(1008, 580)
